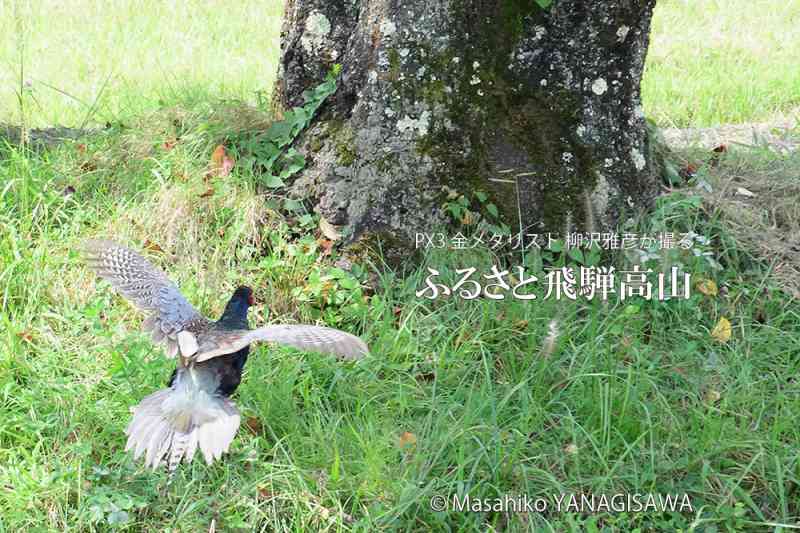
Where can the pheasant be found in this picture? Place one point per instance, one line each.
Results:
(195, 411)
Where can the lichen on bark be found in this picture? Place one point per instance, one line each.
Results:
(472, 94)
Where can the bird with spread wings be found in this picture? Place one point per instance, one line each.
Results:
(195, 411)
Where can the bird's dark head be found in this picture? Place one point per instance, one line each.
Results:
(244, 293)
(235, 313)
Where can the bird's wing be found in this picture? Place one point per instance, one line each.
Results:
(308, 338)
(135, 278)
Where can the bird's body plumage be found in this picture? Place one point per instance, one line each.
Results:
(195, 411)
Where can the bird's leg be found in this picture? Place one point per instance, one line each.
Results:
(188, 364)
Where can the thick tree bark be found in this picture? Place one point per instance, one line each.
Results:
(540, 108)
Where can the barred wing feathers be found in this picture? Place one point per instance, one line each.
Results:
(147, 287)
(307, 338)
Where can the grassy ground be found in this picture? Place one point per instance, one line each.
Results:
(111, 60)
(722, 61)
(480, 397)
(107, 61)
(632, 397)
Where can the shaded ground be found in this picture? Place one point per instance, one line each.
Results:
(754, 187)
(40, 136)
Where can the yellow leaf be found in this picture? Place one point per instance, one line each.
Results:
(722, 331)
(408, 439)
(329, 230)
(707, 287)
(713, 396)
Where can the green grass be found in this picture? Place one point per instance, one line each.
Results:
(113, 60)
(710, 61)
(722, 61)
(634, 397)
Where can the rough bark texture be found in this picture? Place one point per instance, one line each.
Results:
(461, 93)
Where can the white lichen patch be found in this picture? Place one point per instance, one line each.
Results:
(567, 157)
(421, 124)
(317, 29)
(480, 92)
(476, 65)
(404, 52)
(543, 83)
(608, 162)
(622, 32)
(581, 130)
(539, 32)
(372, 76)
(383, 60)
(456, 60)
(421, 71)
(600, 195)
(388, 28)
(638, 159)
(389, 112)
(475, 80)
(599, 86)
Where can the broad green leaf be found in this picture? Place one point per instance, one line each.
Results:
(273, 182)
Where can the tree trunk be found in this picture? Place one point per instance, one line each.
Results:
(537, 107)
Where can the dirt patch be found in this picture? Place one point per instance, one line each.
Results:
(778, 135)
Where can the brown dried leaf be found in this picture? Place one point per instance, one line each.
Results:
(326, 245)
(152, 246)
(689, 171)
(253, 424)
(407, 439)
(217, 156)
(264, 493)
(221, 163)
(209, 192)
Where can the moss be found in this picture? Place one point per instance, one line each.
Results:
(343, 139)
(488, 107)
(494, 111)
(386, 163)
(316, 144)
(346, 155)
(394, 64)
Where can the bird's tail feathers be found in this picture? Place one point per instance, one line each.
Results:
(171, 424)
